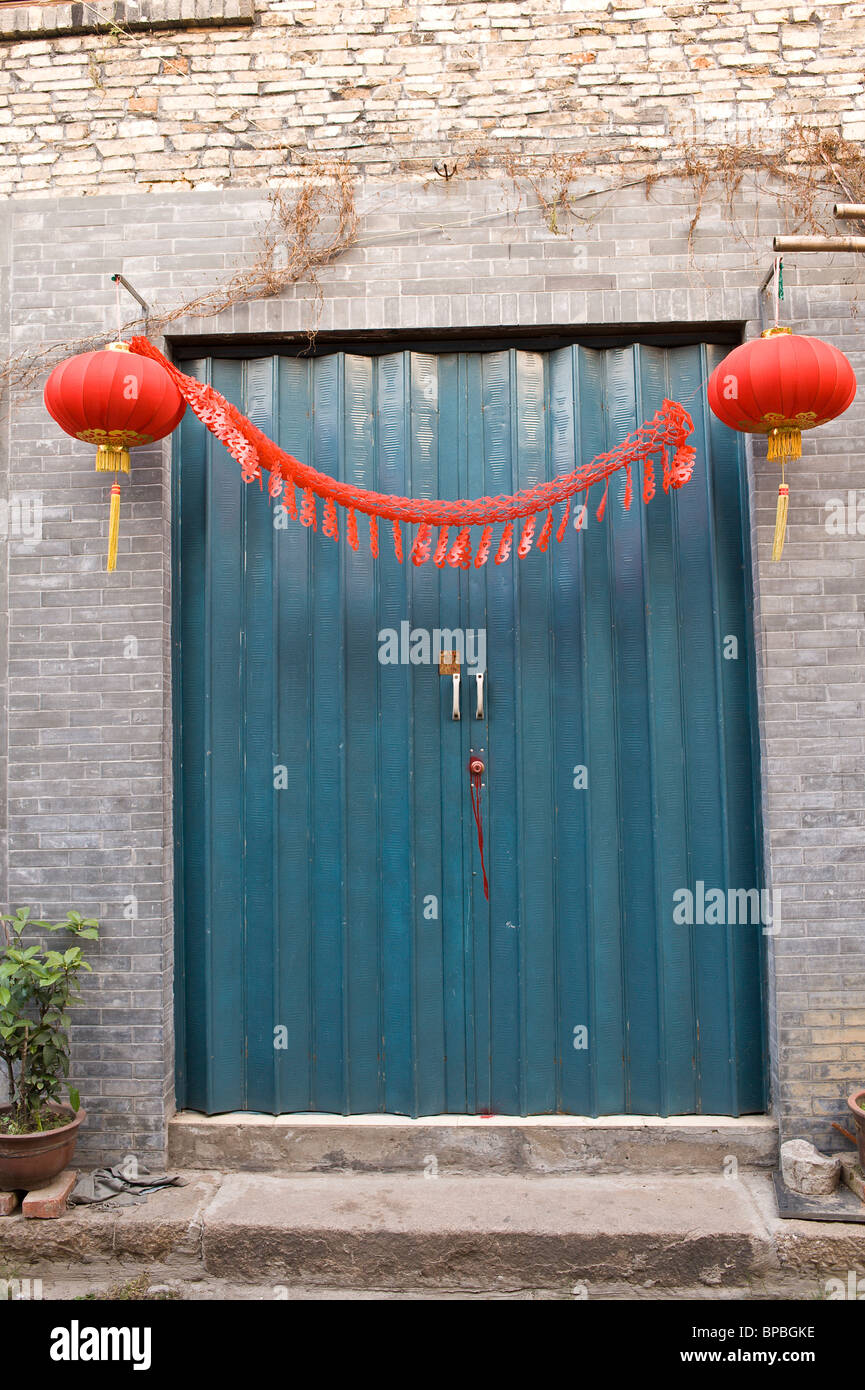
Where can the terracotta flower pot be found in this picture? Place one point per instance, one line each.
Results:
(28, 1161)
(856, 1102)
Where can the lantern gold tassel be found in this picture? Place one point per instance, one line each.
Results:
(111, 458)
(785, 442)
(113, 528)
(780, 521)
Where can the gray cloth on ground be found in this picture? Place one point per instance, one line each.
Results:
(123, 1186)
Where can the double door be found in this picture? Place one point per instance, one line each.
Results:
(337, 950)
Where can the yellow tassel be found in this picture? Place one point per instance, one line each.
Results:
(785, 443)
(780, 521)
(113, 528)
(112, 459)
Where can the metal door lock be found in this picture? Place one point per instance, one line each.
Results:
(476, 766)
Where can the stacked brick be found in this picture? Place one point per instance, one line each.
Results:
(199, 93)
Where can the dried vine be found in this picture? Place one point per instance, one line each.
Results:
(798, 172)
(804, 166)
(553, 181)
(302, 233)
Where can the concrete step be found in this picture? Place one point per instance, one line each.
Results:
(459, 1232)
(469, 1144)
(408, 1236)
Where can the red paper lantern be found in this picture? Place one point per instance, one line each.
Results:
(779, 385)
(117, 400)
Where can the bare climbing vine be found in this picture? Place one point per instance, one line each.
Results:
(303, 231)
(553, 182)
(798, 172)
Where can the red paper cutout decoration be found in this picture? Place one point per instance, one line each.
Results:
(664, 437)
(127, 395)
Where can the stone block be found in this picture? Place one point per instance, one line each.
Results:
(804, 1169)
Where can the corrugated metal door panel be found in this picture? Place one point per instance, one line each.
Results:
(506, 866)
(327, 763)
(606, 1051)
(429, 458)
(631, 678)
(360, 698)
(700, 659)
(395, 758)
(225, 926)
(737, 701)
(303, 900)
(189, 653)
(439, 606)
(666, 675)
(570, 798)
(259, 943)
(535, 761)
(293, 868)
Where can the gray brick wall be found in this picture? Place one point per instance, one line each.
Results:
(88, 729)
(87, 737)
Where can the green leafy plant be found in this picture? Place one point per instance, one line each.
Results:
(37, 987)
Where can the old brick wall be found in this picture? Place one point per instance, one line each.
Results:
(151, 107)
(154, 159)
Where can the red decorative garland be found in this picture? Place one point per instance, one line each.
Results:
(665, 435)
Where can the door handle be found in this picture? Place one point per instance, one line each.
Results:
(479, 689)
(456, 680)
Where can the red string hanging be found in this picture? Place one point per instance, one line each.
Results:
(351, 528)
(373, 535)
(546, 531)
(478, 815)
(397, 540)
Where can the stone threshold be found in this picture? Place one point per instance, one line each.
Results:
(471, 1144)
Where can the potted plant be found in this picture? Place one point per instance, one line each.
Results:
(856, 1103)
(37, 985)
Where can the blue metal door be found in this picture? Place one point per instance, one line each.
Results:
(336, 951)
